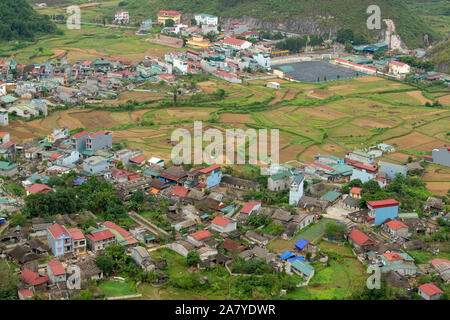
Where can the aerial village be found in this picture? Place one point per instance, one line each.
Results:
(53, 189)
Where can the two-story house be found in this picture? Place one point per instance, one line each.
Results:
(79, 241)
(100, 239)
(210, 176)
(99, 140)
(59, 240)
(56, 271)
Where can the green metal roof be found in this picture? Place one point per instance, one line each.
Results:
(361, 153)
(8, 99)
(7, 165)
(280, 175)
(287, 69)
(410, 215)
(151, 173)
(341, 169)
(330, 196)
(303, 267)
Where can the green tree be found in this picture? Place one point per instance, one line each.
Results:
(18, 219)
(105, 263)
(193, 258)
(334, 230)
(169, 23)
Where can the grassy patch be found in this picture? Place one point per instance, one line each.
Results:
(114, 288)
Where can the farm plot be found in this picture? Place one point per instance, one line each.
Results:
(413, 140)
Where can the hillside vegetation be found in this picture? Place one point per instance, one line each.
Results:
(440, 56)
(18, 20)
(331, 13)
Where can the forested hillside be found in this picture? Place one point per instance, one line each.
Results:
(318, 14)
(18, 20)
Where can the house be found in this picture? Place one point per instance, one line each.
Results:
(296, 190)
(123, 237)
(210, 176)
(398, 68)
(3, 117)
(100, 239)
(331, 197)
(230, 245)
(146, 25)
(174, 175)
(355, 192)
(441, 156)
(57, 134)
(156, 161)
(25, 294)
(195, 42)
(198, 237)
(256, 237)
(222, 225)
(381, 210)
(137, 161)
(181, 247)
(122, 17)
(392, 169)
(165, 15)
(433, 205)
(99, 140)
(360, 156)
(303, 220)
(250, 207)
(236, 43)
(179, 191)
(281, 180)
(8, 169)
(33, 279)
(95, 164)
(142, 258)
(396, 228)
(273, 85)
(429, 291)
(207, 253)
(203, 18)
(89, 269)
(2, 88)
(304, 246)
(79, 141)
(359, 239)
(312, 204)
(4, 137)
(363, 172)
(56, 271)
(302, 268)
(442, 267)
(79, 241)
(37, 187)
(19, 254)
(59, 240)
(237, 183)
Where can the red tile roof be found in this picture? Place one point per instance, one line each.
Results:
(170, 13)
(362, 166)
(38, 187)
(179, 191)
(3, 134)
(138, 159)
(430, 289)
(393, 256)
(249, 206)
(124, 233)
(235, 41)
(54, 156)
(201, 235)
(169, 176)
(323, 166)
(395, 224)
(76, 233)
(383, 203)
(221, 221)
(397, 63)
(57, 267)
(32, 278)
(26, 293)
(98, 133)
(438, 260)
(360, 238)
(79, 135)
(57, 230)
(355, 190)
(100, 235)
(210, 168)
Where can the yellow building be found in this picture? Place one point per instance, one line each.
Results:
(198, 42)
(167, 14)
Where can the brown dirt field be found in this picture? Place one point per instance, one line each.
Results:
(319, 94)
(138, 114)
(235, 118)
(418, 95)
(396, 84)
(411, 140)
(67, 119)
(333, 149)
(290, 94)
(290, 152)
(21, 131)
(402, 157)
(138, 133)
(440, 188)
(323, 112)
(277, 98)
(309, 154)
(138, 96)
(430, 145)
(90, 120)
(343, 88)
(369, 79)
(193, 114)
(445, 100)
(373, 123)
(434, 173)
(207, 86)
(421, 115)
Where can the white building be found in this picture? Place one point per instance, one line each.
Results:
(203, 18)
(122, 17)
(236, 43)
(181, 64)
(3, 117)
(263, 60)
(398, 68)
(296, 190)
(222, 225)
(2, 88)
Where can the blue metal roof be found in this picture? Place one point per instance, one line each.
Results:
(301, 244)
(286, 255)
